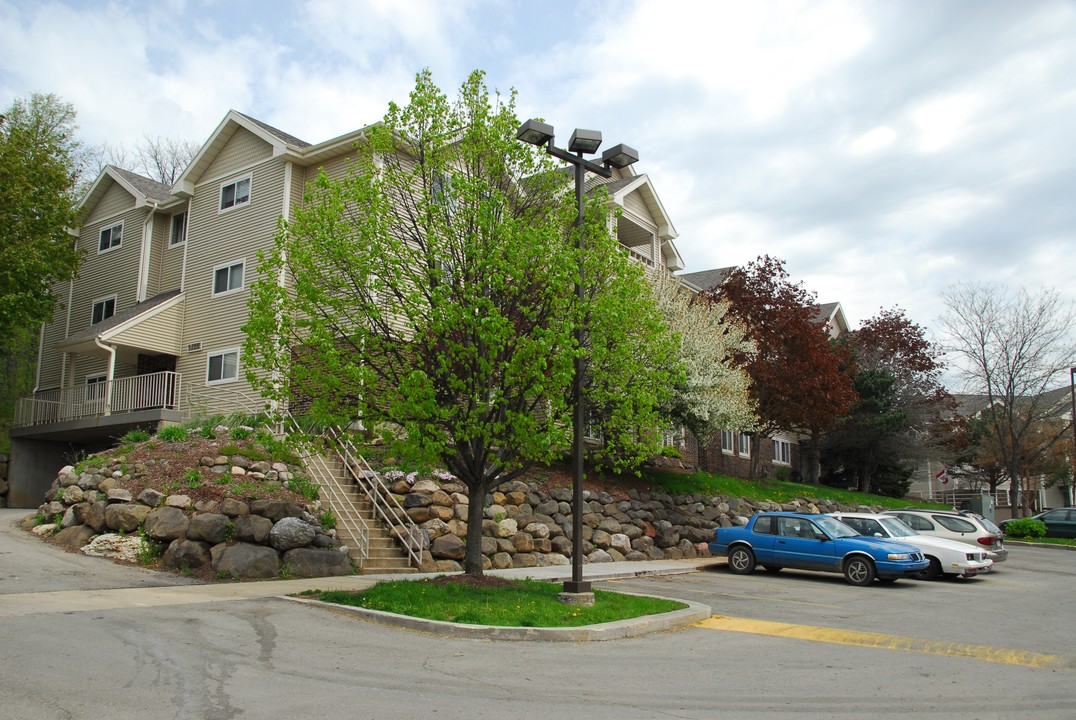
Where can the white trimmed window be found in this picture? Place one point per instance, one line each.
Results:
(235, 193)
(782, 452)
(179, 229)
(726, 441)
(103, 309)
(111, 237)
(222, 366)
(228, 278)
(745, 445)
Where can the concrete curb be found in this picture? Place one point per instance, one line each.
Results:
(692, 614)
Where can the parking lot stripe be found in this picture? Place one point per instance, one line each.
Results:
(889, 642)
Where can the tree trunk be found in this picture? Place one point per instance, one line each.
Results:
(472, 561)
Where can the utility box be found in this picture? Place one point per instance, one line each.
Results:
(981, 504)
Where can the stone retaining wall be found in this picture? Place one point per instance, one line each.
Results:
(265, 538)
(525, 526)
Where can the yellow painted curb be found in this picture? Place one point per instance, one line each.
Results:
(889, 642)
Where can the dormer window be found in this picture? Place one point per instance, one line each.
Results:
(111, 237)
(234, 194)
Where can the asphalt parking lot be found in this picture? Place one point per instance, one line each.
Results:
(1026, 604)
(129, 646)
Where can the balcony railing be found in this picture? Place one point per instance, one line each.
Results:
(159, 390)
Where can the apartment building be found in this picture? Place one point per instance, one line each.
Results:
(150, 332)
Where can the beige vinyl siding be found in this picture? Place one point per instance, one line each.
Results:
(243, 148)
(112, 273)
(82, 365)
(162, 227)
(52, 359)
(157, 334)
(115, 201)
(214, 239)
(171, 268)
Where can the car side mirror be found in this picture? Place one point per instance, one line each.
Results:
(878, 534)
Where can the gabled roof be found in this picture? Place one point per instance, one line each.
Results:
(145, 191)
(832, 315)
(119, 322)
(706, 280)
(280, 141)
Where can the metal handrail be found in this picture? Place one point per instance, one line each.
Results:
(353, 522)
(386, 506)
(159, 390)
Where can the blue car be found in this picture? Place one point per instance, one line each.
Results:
(815, 542)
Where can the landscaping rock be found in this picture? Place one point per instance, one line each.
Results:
(291, 532)
(166, 523)
(183, 553)
(243, 560)
(308, 563)
(125, 516)
(252, 529)
(448, 547)
(212, 528)
(117, 547)
(74, 537)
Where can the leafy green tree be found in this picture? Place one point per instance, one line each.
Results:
(860, 452)
(430, 294)
(897, 375)
(38, 171)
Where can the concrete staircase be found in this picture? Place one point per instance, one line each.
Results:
(385, 556)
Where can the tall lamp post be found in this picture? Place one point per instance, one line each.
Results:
(582, 142)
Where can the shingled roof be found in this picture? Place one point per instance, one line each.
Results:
(150, 188)
(280, 134)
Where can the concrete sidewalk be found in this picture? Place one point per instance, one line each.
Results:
(66, 601)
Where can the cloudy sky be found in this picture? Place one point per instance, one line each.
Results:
(883, 149)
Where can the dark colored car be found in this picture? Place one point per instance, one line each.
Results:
(1060, 523)
(815, 542)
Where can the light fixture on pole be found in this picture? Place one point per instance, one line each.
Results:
(582, 142)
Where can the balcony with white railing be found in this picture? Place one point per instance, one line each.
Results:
(153, 391)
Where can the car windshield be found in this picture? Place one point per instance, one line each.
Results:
(990, 527)
(835, 527)
(896, 527)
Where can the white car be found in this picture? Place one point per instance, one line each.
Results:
(948, 557)
(962, 526)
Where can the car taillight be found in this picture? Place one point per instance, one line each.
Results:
(986, 540)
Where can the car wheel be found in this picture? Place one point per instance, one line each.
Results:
(931, 572)
(859, 571)
(741, 560)
(773, 568)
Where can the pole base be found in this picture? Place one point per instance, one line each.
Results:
(582, 599)
(577, 586)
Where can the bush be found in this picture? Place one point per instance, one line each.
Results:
(671, 452)
(1025, 527)
(136, 436)
(173, 433)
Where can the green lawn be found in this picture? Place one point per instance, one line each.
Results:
(770, 490)
(1044, 541)
(494, 601)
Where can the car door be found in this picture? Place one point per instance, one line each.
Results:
(802, 544)
(1060, 523)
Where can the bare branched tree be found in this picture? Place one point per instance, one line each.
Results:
(1011, 348)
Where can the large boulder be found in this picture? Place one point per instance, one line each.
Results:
(291, 532)
(448, 547)
(252, 529)
(309, 563)
(243, 560)
(184, 553)
(165, 523)
(74, 537)
(119, 547)
(125, 516)
(212, 528)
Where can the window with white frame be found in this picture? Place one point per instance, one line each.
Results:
(726, 441)
(103, 309)
(179, 229)
(111, 237)
(95, 386)
(782, 452)
(228, 278)
(235, 193)
(745, 445)
(222, 366)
